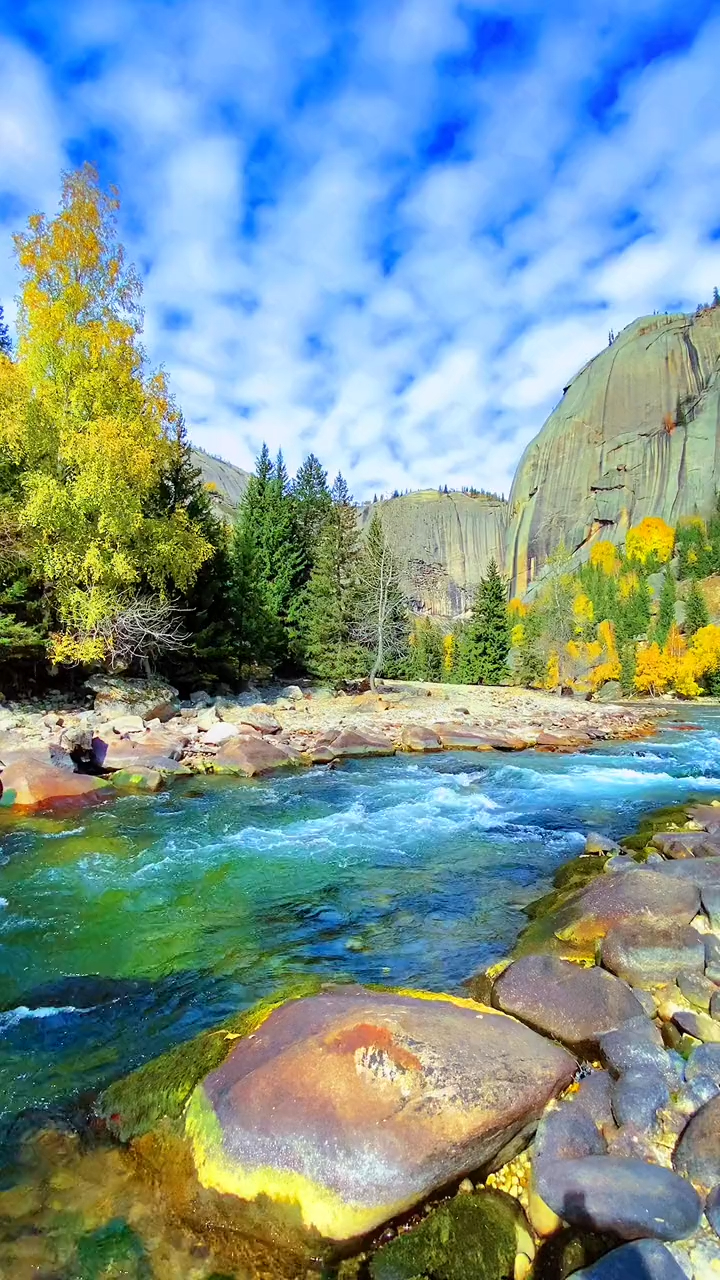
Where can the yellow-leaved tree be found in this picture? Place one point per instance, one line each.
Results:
(91, 428)
(652, 541)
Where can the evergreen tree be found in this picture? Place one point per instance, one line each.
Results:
(207, 604)
(425, 659)
(256, 637)
(330, 600)
(696, 610)
(312, 505)
(666, 613)
(5, 341)
(486, 640)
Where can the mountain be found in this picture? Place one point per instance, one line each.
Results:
(446, 540)
(637, 433)
(225, 482)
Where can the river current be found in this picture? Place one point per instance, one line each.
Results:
(129, 928)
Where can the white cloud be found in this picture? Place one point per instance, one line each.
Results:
(411, 323)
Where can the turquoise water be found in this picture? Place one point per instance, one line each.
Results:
(129, 928)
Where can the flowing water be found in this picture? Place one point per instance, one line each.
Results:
(129, 928)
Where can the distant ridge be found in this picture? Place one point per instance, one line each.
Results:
(226, 483)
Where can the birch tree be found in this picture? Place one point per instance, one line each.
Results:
(382, 618)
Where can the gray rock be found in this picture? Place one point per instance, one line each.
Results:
(687, 844)
(711, 903)
(565, 1132)
(704, 1061)
(640, 1260)
(630, 1142)
(638, 1096)
(629, 1198)
(596, 843)
(638, 1045)
(712, 1210)
(699, 1025)
(702, 872)
(712, 957)
(564, 1000)
(714, 1006)
(594, 1096)
(694, 1094)
(698, 989)
(697, 1155)
(646, 955)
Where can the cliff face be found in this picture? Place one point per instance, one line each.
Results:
(637, 433)
(446, 540)
(227, 483)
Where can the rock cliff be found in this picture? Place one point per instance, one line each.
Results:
(446, 540)
(635, 434)
(225, 482)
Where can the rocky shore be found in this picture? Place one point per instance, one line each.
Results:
(138, 735)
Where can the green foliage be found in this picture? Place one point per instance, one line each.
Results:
(331, 598)
(426, 651)
(666, 613)
(485, 643)
(313, 503)
(634, 612)
(696, 610)
(698, 551)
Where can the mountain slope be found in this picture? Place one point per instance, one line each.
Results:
(225, 482)
(636, 434)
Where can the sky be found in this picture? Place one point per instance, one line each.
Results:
(385, 231)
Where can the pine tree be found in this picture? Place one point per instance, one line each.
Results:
(207, 605)
(5, 340)
(312, 504)
(331, 597)
(256, 633)
(696, 610)
(666, 613)
(486, 639)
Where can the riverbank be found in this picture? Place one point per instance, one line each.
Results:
(136, 734)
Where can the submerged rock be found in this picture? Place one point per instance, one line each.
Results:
(31, 784)
(353, 1106)
(574, 1004)
(630, 1198)
(472, 1237)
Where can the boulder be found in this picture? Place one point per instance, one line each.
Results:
(18, 750)
(703, 872)
(595, 843)
(293, 693)
(471, 1235)
(706, 816)
(627, 1198)
(128, 724)
(563, 740)
(219, 733)
(32, 784)
(206, 718)
(130, 753)
(699, 1025)
(640, 1260)
(646, 955)
(638, 1096)
(564, 1000)
(416, 737)
(712, 1210)
(711, 903)
(139, 779)
(351, 742)
(704, 1062)
(253, 756)
(353, 1106)
(259, 718)
(461, 737)
(679, 845)
(697, 1155)
(712, 957)
(638, 1045)
(119, 696)
(566, 1132)
(634, 896)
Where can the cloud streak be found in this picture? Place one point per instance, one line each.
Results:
(390, 232)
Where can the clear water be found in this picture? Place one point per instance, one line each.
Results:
(179, 908)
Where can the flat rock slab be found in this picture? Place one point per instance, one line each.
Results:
(461, 737)
(350, 742)
(635, 895)
(353, 1106)
(647, 955)
(32, 784)
(416, 737)
(697, 1155)
(564, 1000)
(628, 1198)
(703, 872)
(640, 1260)
(253, 756)
(699, 1025)
(679, 845)
(151, 752)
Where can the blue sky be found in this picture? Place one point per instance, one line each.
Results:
(387, 231)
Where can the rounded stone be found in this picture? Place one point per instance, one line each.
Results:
(639, 1044)
(712, 1209)
(697, 1155)
(698, 989)
(704, 1061)
(646, 955)
(638, 1096)
(640, 1260)
(629, 1198)
(566, 1132)
(564, 1000)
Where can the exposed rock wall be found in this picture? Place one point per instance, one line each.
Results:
(226, 482)
(636, 434)
(445, 540)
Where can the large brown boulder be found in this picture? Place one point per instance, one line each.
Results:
(574, 1004)
(353, 742)
(416, 737)
(646, 954)
(251, 756)
(151, 751)
(33, 784)
(348, 1108)
(627, 896)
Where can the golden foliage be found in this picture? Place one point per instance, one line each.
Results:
(629, 582)
(652, 536)
(448, 652)
(583, 610)
(552, 675)
(89, 426)
(517, 608)
(609, 668)
(603, 555)
(517, 635)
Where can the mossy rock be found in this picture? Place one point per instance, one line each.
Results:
(109, 1253)
(549, 913)
(473, 1237)
(671, 818)
(134, 1105)
(568, 1251)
